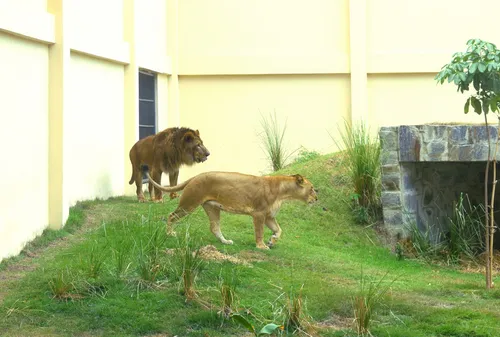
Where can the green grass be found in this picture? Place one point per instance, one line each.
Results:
(113, 275)
(362, 163)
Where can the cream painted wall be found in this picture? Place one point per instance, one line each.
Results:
(26, 5)
(395, 99)
(93, 130)
(151, 34)
(95, 20)
(421, 36)
(263, 37)
(24, 139)
(226, 110)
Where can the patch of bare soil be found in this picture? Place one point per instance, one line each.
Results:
(211, 253)
(336, 322)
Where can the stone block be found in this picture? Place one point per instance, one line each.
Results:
(389, 139)
(407, 180)
(410, 201)
(390, 169)
(434, 132)
(461, 152)
(409, 143)
(478, 133)
(389, 158)
(436, 150)
(480, 152)
(391, 200)
(390, 182)
(458, 135)
(392, 217)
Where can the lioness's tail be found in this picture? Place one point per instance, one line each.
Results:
(175, 188)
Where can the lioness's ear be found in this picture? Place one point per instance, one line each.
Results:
(299, 179)
(197, 133)
(188, 137)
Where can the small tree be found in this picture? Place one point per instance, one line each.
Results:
(479, 65)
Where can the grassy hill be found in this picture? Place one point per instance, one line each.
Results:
(112, 271)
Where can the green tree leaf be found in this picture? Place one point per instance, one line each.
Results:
(268, 329)
(467, 106)
(243, 321)
(476, 104)
(481, 67)
(472, 68)
(485, 105)
(493, 104)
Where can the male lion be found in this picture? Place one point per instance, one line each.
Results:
(260, 197)
(165, 152)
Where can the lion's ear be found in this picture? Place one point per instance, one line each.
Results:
(188, 137)
(299, 179)
(197, 133)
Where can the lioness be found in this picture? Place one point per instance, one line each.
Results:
(260, 197)
(165, 152)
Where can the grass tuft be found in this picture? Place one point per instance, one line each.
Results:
(362, 161)
(272, 140)
(368, 298)
(188, 264)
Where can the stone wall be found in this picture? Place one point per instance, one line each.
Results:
(426, 167)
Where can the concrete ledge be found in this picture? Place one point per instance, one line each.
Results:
(35, 26)
(264, 64)
(117, 52)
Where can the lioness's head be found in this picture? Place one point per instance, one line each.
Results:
(305, 189)
(195, 151)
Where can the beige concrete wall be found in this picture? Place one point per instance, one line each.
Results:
(93, 131)
(240, 59)
(24, 139)
(70, 73)
(228, 115)
(407, 48)
(263, 37)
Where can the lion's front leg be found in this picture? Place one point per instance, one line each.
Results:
(273, 225)
(155, 193)
(173, 176)
(258, 223)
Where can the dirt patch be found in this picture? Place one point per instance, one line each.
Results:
(211, 253)
(336, 322)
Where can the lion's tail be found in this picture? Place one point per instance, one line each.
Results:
(175, 188)
(133, 167)
(131, 181)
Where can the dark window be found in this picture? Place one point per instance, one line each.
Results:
(147, 104)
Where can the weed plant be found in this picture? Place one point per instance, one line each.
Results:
(272, 140)
(188, 263)
(368, 298)
(362, 161)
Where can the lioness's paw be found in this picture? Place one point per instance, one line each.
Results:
(227, 242)
(262, 246)
(171, 233)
